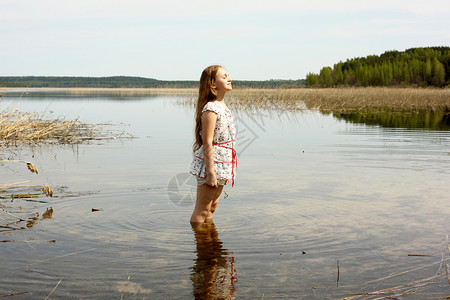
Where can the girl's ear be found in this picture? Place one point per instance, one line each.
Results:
(213, 84)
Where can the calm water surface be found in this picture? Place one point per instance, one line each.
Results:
(321, 208)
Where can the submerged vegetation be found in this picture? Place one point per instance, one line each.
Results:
(414, 67)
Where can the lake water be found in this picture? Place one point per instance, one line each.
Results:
(321, 208)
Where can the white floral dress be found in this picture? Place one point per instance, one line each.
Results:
(223, 145)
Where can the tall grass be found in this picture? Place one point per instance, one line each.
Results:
(370, 99)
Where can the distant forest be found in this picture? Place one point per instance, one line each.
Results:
(129, 82)
(418, 67)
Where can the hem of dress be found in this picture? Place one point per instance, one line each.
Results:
(205, 177)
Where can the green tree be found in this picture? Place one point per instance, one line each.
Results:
(437, 72)
(386, 70)
(325, 77)
(312, 79)
(427, 71)
(349, 77)
(415, 66)
(338, 76)
(406, 78)
(415, 70)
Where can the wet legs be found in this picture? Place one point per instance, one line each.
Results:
(207, 200)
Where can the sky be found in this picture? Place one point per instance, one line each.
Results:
(177, 39)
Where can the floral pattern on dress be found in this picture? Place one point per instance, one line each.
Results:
(223, 145)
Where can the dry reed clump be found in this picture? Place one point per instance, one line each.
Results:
(31, 128)
(376, 99)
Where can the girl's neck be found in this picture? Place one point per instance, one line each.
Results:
(220, 97)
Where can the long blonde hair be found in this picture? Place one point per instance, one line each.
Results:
(205, 94)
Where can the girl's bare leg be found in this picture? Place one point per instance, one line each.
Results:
(213, 207)
(207, 200)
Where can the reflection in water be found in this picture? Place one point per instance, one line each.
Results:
(439, 120)
(213, 275)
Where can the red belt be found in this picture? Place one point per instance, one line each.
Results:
(233, 161)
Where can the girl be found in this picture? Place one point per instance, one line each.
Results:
(214, 161)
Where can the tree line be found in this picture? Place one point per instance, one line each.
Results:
(419, 67)
(129, 82)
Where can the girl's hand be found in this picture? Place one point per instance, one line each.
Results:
(211, 180)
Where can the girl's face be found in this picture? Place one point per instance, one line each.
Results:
(222, 82)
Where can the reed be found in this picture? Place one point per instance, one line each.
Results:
(371, 99)
(32, 128)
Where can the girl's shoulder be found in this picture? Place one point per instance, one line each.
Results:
(213, 106)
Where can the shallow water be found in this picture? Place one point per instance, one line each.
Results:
(321, 208)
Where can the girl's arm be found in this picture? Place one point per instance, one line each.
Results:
(209, 119)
